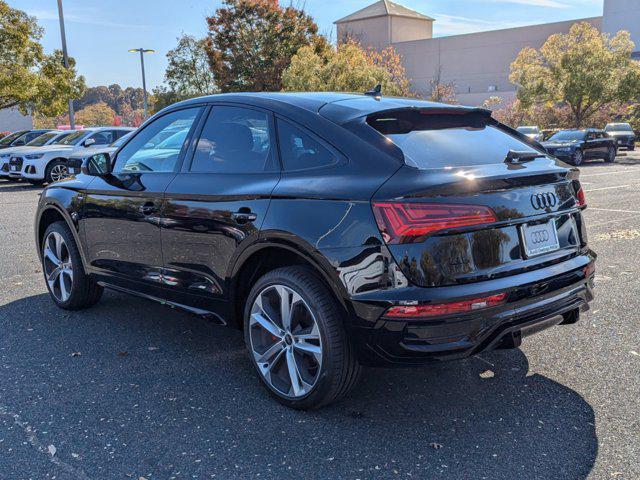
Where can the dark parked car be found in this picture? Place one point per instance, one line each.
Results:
(577, 146)
(623, 134)
(336, 230)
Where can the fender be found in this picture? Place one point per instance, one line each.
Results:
(68, 204)
(301, 248)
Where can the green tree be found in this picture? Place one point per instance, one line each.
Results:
(345, 68)
(584, 70)
(29, 79)
(98, 114)
(251, 42)
(188, 72)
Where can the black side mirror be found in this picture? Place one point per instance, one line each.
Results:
(97, 165)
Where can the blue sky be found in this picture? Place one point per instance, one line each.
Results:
(99, 33)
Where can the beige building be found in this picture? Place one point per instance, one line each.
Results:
(477, 63)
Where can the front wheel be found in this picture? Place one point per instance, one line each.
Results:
(611, 155)
(296, 339)
(68, 284)
(56, 170)
(578, 158)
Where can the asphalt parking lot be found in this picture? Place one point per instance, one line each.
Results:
(132, 389)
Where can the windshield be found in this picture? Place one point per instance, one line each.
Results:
(618, 127)
(73, 139)
(174, 142)
(121, 140)
(567, 136)
(10, 138)
(41, 140)
(528, 130)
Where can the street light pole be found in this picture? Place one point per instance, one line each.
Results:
(65, 57)
(142, 51)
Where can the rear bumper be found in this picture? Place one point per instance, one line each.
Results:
(537, 300)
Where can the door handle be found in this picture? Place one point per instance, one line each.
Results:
(147, 209)
(244, 215)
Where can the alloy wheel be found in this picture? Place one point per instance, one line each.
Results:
(58, 267)
(285, 341)
(577, 158)
(59, 172)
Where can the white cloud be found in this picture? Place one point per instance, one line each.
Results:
(455, 25)
(536, 3)
(85, 18)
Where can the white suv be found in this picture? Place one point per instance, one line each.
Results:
(49, 163)
(47, 138)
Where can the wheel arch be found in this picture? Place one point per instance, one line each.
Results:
(51, 213)
(265, 256)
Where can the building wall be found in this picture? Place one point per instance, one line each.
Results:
(405, 29)
(371, 32)
(12, 120)
(475, 61)
(622, 15)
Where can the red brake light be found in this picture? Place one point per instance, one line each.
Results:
(409, 222)
(582, 199)
(437, 309)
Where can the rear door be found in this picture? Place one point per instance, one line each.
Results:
(595, 145)
(214, 207)
(121, 219)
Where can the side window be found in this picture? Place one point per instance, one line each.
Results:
(20, 141)
(299, 150)
(157, 147)
(234, 140)
(102, 138)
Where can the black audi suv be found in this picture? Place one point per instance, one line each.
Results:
(336, 230)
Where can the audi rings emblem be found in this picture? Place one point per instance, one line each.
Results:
(539, 236)
(541, 201)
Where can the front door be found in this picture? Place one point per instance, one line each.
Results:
(216, 204)
(121, 217)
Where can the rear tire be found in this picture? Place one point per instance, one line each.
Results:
(611, 155)
(298, 373)
(69, 286)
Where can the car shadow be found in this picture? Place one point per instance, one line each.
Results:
(625, 158)
(17, 186)
(135, 388)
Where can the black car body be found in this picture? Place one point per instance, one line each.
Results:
(623, 134)
(425, 258)
(577, 146)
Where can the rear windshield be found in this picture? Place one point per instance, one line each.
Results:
(432, 140)
(618, 127)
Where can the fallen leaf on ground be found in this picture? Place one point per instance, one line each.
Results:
(76, 354)
(123, 354)
(487, 374)
(436, 446)
(633, 352)
(151, 349)
(52, 450)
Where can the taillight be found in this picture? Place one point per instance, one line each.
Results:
(438, 309)
(410, 222)
(581, 198)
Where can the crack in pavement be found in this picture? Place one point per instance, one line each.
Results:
(33, 440)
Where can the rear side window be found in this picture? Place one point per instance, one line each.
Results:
(434, 140)
(234, 140)
(301, 151)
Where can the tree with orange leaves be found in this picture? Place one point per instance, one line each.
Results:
(251, 42)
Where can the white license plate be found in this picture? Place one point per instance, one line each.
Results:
(14, 168)
(539, 238)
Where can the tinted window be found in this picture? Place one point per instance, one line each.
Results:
(299, 150)
(148, 151)
(567, 136)
(121, 140)
(618, 127)
(234, 140)
(10, 138)
(20, 141)
(73, 138)
(103, 138)
(41, 140)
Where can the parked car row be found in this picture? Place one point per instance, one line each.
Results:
(41, 156)
(576, 146)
